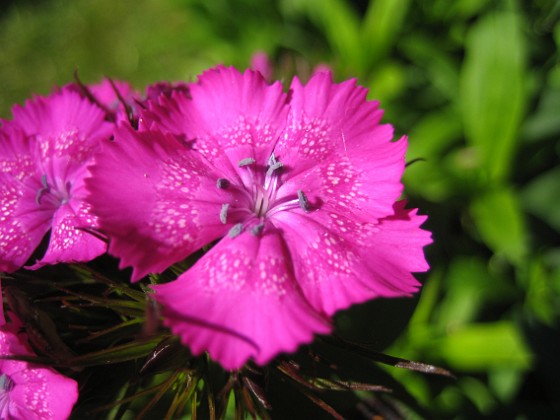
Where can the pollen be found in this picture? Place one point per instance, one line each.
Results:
(223, 213)
(246, 162)
(235, 230)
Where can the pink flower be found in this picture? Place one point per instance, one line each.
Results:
(301, 187)
(165, 88)
(112, 94)
(44, 153)
(30, 391)
(261, 63)
(117, 98)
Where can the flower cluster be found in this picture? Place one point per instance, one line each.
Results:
(289, 200)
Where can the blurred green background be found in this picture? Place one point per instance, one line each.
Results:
(476, 86)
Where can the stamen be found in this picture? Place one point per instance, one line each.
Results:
(245, 162)
(272, 160)
(275, 166)
(257, 229)
(222, 183)
(303, 201)
(43, 190)
(223, 213)
(235, 230)
(39, 196)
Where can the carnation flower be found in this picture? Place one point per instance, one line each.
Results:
(44, 152)
(302, 189)
(30, 391)
(261, 63)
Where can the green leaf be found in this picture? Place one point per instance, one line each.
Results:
(468, 283)
(505, 383)
(539, 296)
(501, 223)
(429, 139)
(493, 91)
(541, 197)
(478, 347)
(130, 351)
(544, 122)
(430, 54)
(478, 393)
(340, 25)
(381, 24)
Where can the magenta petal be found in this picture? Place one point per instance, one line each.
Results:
(228, 109)
(17, 239)
(261, 62)
(339, 262)
(70, 239)
(328, 268)
(360, 185)
(156, 200)
(327, 121)
(395, 249)
(337, 152)
(17, 168)
(110, 92)
(37, 392)
(241, 301)
(65, 123)
(19, 236)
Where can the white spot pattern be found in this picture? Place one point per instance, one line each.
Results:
(243, 131)
(174, 209)
(13, 239)
(229, 270)
(315, 140)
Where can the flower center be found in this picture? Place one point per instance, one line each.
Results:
(6, 385)
(261, 189)
(57, 193)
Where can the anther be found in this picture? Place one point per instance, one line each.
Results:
(235, 230)
(223, 213)
(275, 166)
(303, 201)
(245, 162)
(222, 183)
(257, 229)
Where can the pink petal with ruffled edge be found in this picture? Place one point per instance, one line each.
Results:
(229, 109)
(155, 199)
(70, 240)
(18, 172)
(19, 236)
(64, 120)
(337, 152)
(339, 262)
(241, 301)
(327, 266)
(395, 249)
(37, 392)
